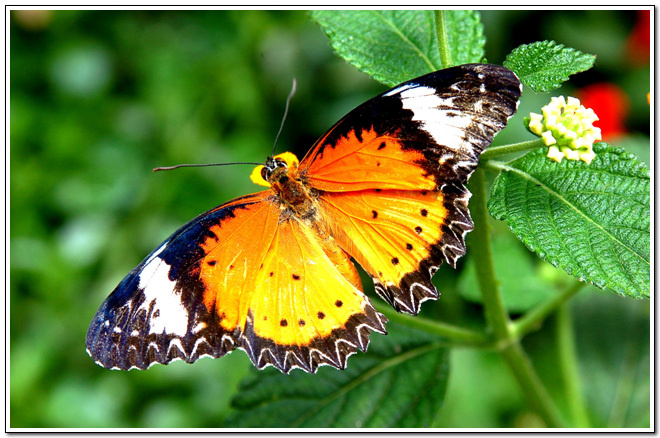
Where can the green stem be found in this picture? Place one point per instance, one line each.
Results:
(531, 385)
(443, 42)
(449, 331)
(568, 364)
(628, 374)
(532, 320)
(494, 152)
(482, 251)
(496, 313)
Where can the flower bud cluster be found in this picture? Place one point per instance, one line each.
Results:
(567, 127)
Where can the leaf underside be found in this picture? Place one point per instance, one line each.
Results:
(593, 220)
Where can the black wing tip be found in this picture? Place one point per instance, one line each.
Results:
(115, 344)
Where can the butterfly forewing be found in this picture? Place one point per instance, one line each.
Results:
(159, 311)
(421, 134)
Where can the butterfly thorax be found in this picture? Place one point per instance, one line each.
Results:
(280, 173)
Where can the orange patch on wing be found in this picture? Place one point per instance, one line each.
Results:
(388, 232)
(299, 294)
(233, 253)
(365, 160)
(295, 285)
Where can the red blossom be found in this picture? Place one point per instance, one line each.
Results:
(610, 103)
(639, 40)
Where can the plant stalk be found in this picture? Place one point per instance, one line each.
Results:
(498, 151)
(568, 364)
(443, 43)
(531, 385)
(531, 320)
(496, 314)
(482, 251)
(451, 332)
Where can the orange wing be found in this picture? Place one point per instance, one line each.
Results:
(400, 237)
(238, 277)
(390, 176)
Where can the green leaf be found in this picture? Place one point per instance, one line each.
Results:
(395, 46)
(399, 382)
(465, 35)
(545, 65)
(593, 220)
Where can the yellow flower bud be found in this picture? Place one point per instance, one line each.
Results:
(567, 127)
(555, 154)
(548, 139)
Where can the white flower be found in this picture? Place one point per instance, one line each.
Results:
(567, 127)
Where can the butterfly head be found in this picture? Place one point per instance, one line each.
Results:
(286, 161)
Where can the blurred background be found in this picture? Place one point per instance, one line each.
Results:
(99, 98)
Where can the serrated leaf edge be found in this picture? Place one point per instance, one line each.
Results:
(528, 177)
(558, 78)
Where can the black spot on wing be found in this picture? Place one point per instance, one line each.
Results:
(416, 286)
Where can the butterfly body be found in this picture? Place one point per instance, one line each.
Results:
(291, 190)
(272, 273)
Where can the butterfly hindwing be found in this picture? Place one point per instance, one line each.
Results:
(305, 307)
(400, 237)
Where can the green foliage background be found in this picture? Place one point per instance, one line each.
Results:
(99, 98)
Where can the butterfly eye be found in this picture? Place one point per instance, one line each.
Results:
(265, 173)
(288, 159)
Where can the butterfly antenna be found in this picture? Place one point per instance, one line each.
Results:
(286, 111)
(202, 165)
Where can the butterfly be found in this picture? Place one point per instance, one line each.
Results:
(273, 273)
